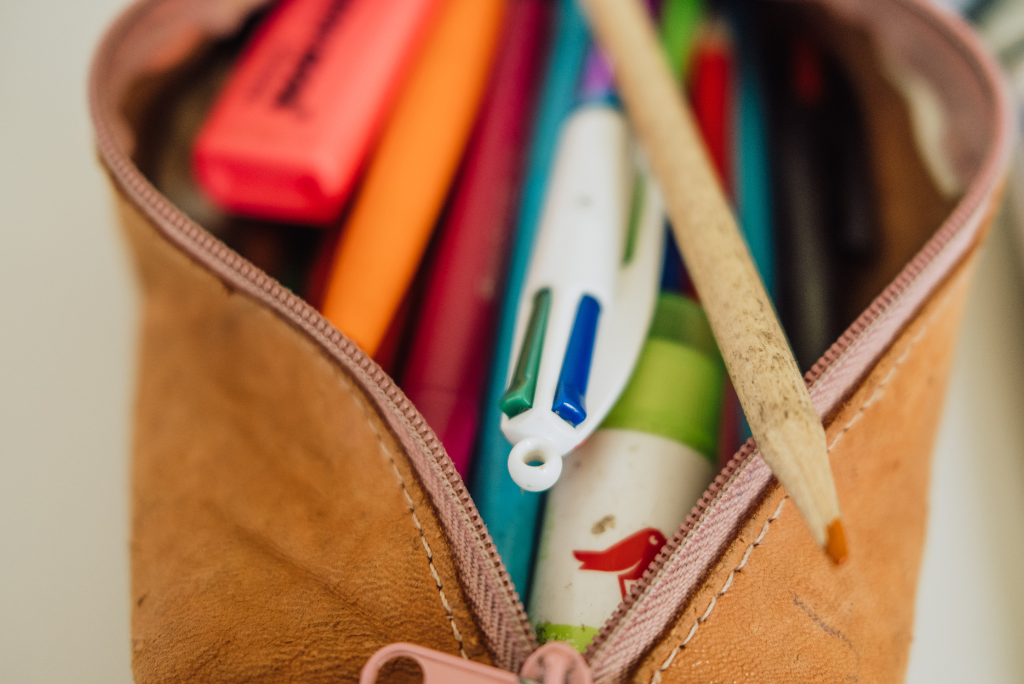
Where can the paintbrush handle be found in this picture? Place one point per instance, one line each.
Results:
(773, 394)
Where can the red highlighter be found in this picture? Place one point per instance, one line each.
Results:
(450, 352)
(303, 106)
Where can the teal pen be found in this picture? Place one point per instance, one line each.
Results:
(511, 514)
(752, 164)
(753, 179)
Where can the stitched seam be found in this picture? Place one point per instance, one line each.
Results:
(880, 390)
(449, 613)
(656, 677)
(875, 396)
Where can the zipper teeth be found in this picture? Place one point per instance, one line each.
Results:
(197, 242)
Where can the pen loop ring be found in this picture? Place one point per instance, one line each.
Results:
(535, 464)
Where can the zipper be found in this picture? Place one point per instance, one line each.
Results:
(553, 663)
(497, 608)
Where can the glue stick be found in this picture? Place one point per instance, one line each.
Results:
(625, 491)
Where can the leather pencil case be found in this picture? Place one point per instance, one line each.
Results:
(293, 513)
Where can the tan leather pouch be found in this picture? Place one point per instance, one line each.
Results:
(292, 512)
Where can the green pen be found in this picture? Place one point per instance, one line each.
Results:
(679, 22)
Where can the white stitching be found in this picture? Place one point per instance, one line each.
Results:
(880, 390)
(419, 528)
(656, 677)
(875, 396)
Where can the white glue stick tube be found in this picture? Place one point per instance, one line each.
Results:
(627, 489)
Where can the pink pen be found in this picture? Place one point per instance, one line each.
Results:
(451, 345)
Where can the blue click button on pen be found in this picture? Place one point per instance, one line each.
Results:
(571, 391)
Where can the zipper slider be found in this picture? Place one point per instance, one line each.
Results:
(552, 663)
(556, 662)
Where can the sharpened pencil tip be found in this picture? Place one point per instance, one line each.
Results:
(836, 544)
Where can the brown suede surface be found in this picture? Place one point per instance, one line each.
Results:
(910, 207)
(775, 609)
(278, 532)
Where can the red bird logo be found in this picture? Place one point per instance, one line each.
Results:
(629, 557)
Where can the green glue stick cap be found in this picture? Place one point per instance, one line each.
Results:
(676, 387)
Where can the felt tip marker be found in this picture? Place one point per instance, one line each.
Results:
(751, 162)
(712, 95)
(591, 288)
(680, 20)
(301, 110)
(627, 489)
(714, 107)
(411, 172)
(450, 350)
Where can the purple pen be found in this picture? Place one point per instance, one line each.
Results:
(598, 81)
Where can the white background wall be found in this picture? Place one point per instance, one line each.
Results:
(67, 317)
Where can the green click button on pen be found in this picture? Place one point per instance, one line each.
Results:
(519, 396)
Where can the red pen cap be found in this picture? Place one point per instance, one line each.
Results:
(299, 113)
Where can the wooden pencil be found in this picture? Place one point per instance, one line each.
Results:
(766, 377)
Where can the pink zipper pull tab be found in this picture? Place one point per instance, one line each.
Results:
(552, 663)
(437, 667)
(557, 662)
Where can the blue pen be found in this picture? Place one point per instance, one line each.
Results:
(511, 514)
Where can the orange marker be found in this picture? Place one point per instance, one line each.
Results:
(410, 174)
(297, 119)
